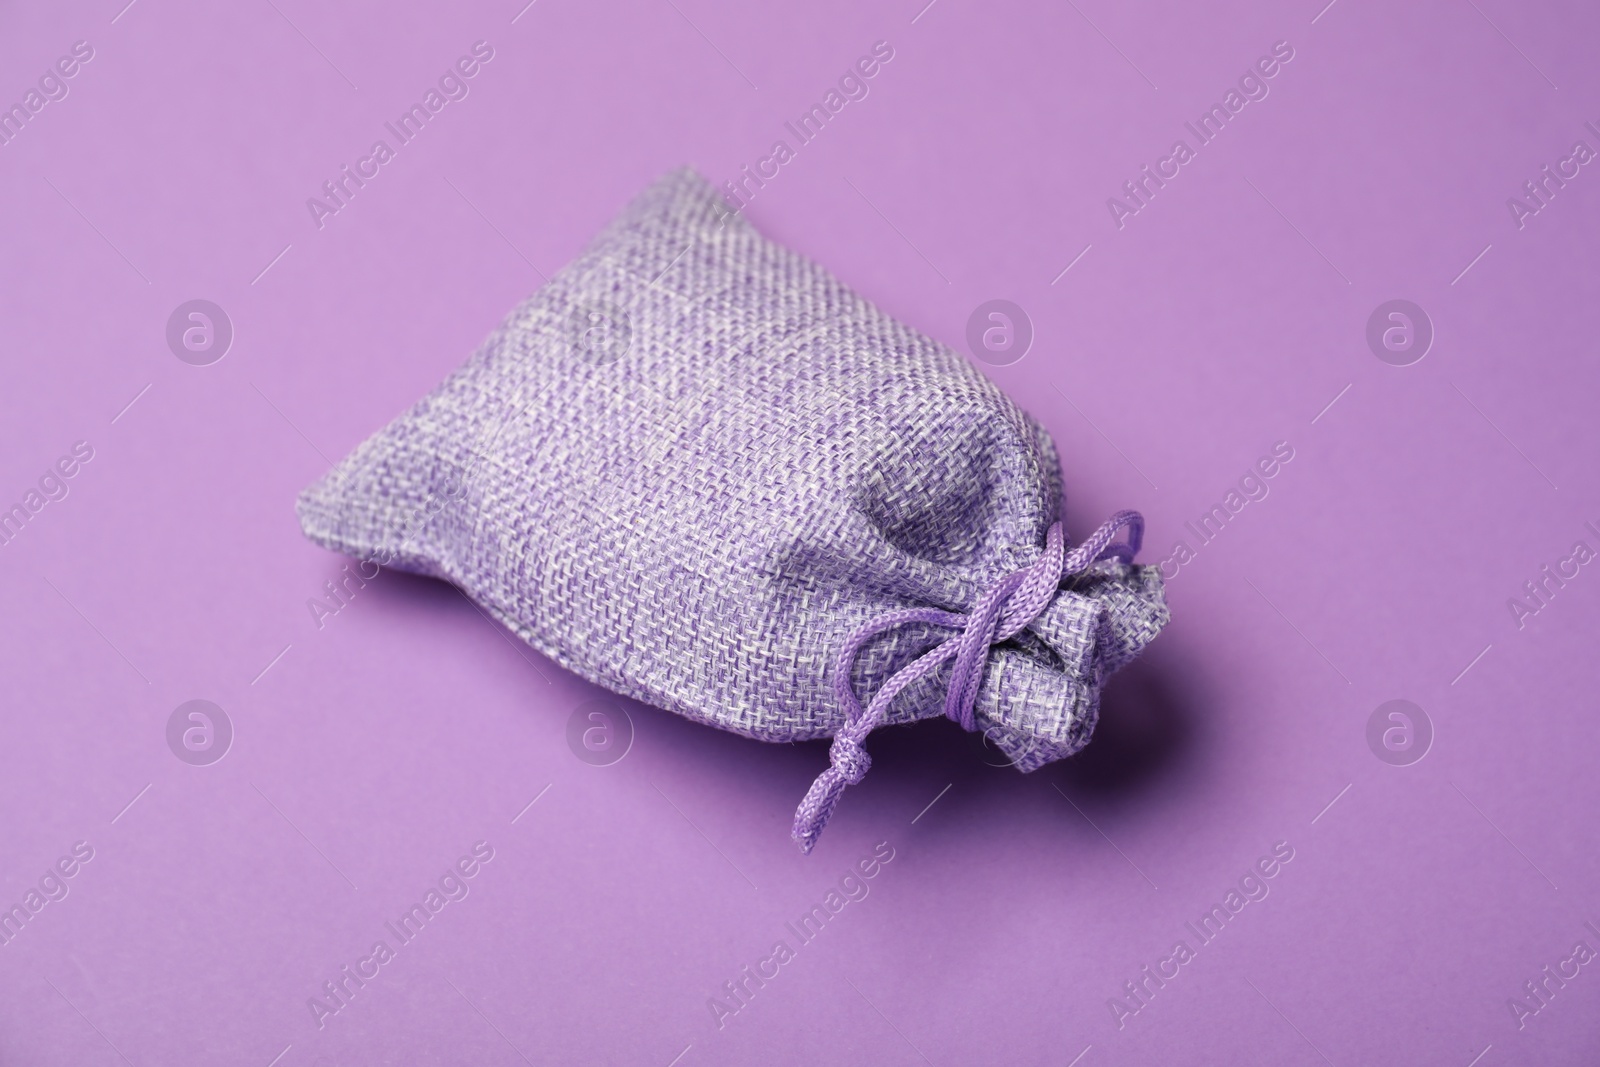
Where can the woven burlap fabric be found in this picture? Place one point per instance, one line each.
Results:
(693, 462)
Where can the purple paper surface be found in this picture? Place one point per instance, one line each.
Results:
(1419, 545)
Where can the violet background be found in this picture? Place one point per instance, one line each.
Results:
(1223, 318)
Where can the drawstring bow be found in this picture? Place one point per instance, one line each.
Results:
(1003, 612)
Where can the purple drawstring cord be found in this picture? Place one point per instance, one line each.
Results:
(1003, 612)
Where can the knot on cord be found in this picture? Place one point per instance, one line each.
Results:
(849, 759)
(1004, 611)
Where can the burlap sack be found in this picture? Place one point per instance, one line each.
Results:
(698, 470)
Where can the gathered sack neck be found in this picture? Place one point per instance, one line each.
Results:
(1004, 611)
